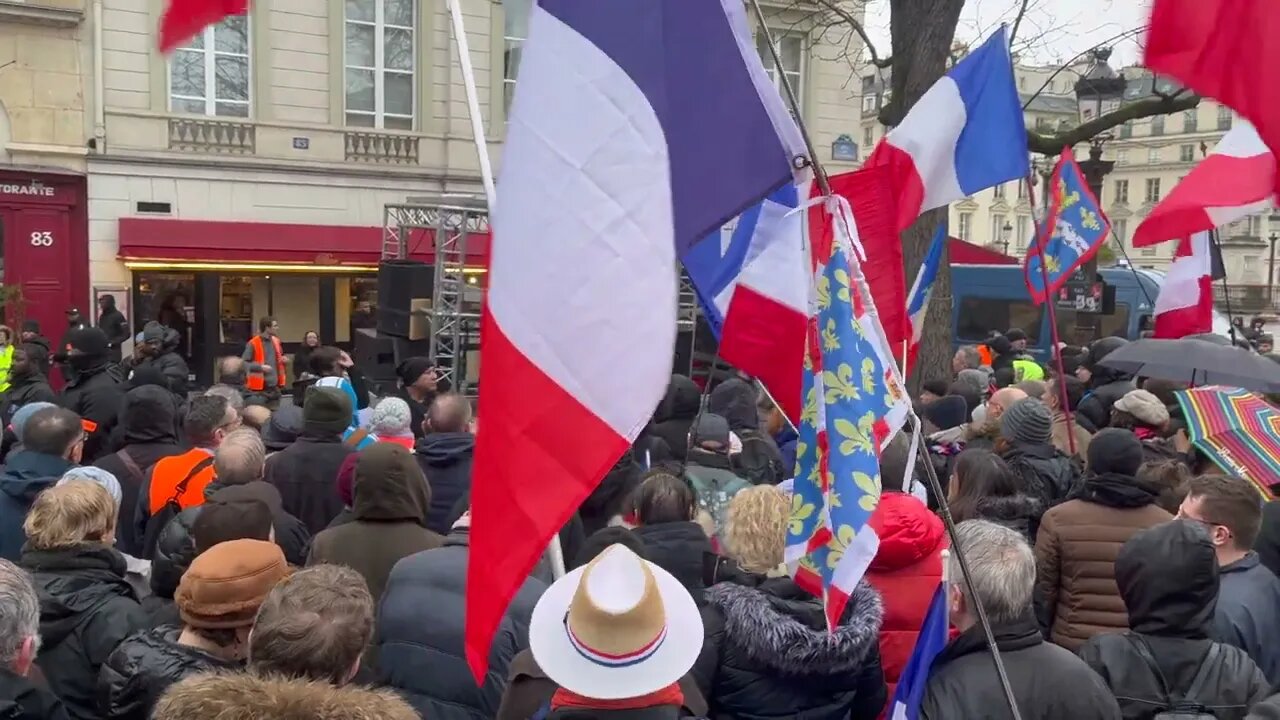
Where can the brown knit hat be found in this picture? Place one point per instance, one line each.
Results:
(227, 583)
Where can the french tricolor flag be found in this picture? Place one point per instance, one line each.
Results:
(638, 128)
(753, 286)
(966, 134)
(1185, 303)
(921, 290)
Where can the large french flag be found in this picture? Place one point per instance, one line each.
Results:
(753, 285)
(921, 291)
(966, 134)
(638, 128)
(1236, 180)
(1185, 303)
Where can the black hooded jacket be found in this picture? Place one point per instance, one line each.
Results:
(678, 548)
(1106, 385)
(175, 549)
(612, 496)
(759, 461)
(20, 699)
(768, 654)
(675, 414)
(86, 609)
(25, 388)
(113, 324)
(25, 475)
(94, 394)
(305, 473)
(143, 667)
(1168, 577)
(1047, 473)
(1017, 512)
(445, 459)
(150, 432)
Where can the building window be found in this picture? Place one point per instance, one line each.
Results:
(1022, 189)
(379, 63)
(791, 50)
(1153, 155)
(868, 136)
(997, 229)
(1121, 229)
(1157, 125)
(1024, 232)
(999, 191)
(868, 84)
(516, 14)
(1224, 117)
(1122, 191)
(1187, 153)
(1190, 121)
(966, 225)
(1122, 157)
(1126, 130)
(1153, 190)
(210, 74)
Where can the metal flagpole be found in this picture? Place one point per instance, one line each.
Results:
(1063, 397)
(825, 187)
(473, 101)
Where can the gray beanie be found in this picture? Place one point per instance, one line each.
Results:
(1027, 421)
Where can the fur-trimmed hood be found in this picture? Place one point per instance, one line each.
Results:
(783, 628)
(243, 696)
(1009, 508)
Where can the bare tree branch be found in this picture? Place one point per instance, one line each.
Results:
(1017, 22)
(853, 22)
(1148, 107)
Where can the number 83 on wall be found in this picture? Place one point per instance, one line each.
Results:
(42, 238)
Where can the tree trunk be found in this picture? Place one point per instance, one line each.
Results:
(922, 32)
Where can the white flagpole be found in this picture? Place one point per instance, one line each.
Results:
(473, 102)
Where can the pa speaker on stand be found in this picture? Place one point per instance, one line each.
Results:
(403, 287)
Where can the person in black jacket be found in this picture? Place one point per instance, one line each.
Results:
(444, 454)
(1026, 445)
(767, 652)
(27, 384)
(20, 697)
(156, 347)
(218, 598)
(41, 353)
(665, 508)
(1168, 577)
(92, 392)
(759, 461)
(305, 472)
(1106, 385)
(111, 321)
(87, 606)
(674, 417)
(1048, 681)
(52, 444)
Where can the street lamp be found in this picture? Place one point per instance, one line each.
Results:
(1007, 231)
(1274, 223)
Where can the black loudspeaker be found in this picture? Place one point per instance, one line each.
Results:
(377, 355)
(399, 282)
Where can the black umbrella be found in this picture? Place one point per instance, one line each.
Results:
(1197, 362)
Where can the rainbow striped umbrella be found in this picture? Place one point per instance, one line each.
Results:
(1237, 429)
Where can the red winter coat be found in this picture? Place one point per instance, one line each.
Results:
(906, 572)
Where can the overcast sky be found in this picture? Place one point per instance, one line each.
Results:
(1059, 28)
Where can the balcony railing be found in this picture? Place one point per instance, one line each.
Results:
(375, 147)
(212, 136)
(1246, 299)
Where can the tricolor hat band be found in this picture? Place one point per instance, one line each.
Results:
(615, 661)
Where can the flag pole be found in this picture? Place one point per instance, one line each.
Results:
(473, 102)
(1216, 247)
(1050, 306)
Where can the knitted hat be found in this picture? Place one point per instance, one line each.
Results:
(326, 410)
(153, 332)
(283, 428)
(1145, 407)
(97, 476)
(1116, 451)
(227, 583)
(1027, 421)
(410, 369)
(391, 417)
(31, 326)
(947, 412)
(88, 341)
(1016, 334)
(20, 418)
(979, 380)
(711, 428)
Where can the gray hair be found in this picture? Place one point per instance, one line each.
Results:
(1003, 567)
(19, 611)
(972, 358)
(232, 395)
(241, 458)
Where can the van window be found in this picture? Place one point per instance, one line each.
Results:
(979, 316)
(1115, 325)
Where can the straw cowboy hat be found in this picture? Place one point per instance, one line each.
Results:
(619, 627)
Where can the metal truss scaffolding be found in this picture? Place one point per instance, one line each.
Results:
(448, 223)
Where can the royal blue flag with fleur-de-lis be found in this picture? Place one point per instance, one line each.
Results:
(1073, 231)
(853, 403)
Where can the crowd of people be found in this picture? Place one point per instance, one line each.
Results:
(169, 554)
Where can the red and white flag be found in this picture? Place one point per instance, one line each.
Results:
(1185, 303)
(1237, 180)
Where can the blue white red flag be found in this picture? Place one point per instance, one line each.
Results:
(752, 282)
(933, 637)
(966, 134)
(1072, 232)
(921, 291)
(638, 127)
(854, 402)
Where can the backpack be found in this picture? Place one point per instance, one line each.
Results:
(759, 461)
(714, 490)
(1184, 707)
(170, 510)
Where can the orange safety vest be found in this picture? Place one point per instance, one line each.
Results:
(257, 379)
(170, 472)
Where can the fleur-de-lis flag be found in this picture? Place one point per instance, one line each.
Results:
(853, 403)
(1072, 233)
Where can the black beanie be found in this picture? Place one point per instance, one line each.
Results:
(326, 410)
(1115, 451)
(947, 412)
(410, 369)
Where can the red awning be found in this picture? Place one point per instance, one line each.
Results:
(966, 253)
(256, 242)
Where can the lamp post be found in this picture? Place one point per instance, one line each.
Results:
(1007, 231)
(1274, 223)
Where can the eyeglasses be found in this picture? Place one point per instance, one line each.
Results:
(1208, 524)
